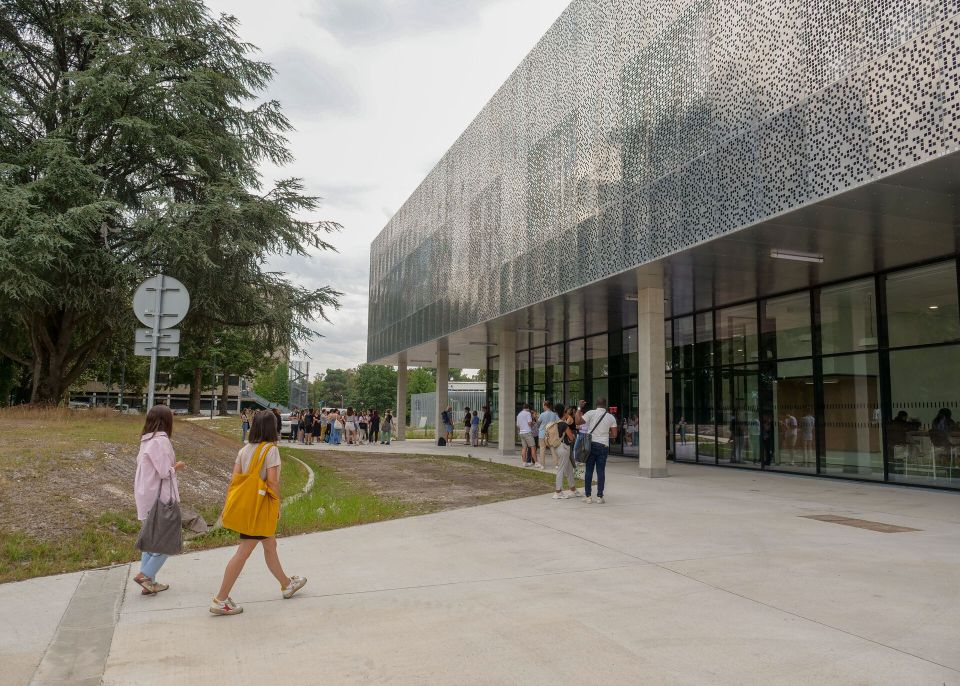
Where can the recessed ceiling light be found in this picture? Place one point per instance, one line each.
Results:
(797, 256)
(532, 331)
(934, 307)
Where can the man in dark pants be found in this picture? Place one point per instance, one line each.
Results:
(601, 425)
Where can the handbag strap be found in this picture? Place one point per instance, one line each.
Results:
(605, 413)
(259, 456)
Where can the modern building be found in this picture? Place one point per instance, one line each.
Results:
(735, 220)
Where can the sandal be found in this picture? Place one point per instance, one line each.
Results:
(157, 588)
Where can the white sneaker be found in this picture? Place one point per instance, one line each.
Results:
(576, 494)
(540, 467)
(601, 500)
(557, 496)
(296, 583)
(588, 499)
(224, 607)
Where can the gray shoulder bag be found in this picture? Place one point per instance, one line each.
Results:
(160, 532)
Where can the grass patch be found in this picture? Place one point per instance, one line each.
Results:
(98, 545)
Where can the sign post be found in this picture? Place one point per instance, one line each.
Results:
(161, 302)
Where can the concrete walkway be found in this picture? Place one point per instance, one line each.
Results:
(712, 576)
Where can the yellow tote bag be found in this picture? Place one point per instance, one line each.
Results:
(252, 508)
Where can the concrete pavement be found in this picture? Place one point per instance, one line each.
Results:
(712, 576)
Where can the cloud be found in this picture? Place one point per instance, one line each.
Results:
(377, 21)
(309, 88)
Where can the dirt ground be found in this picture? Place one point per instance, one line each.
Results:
(59, 469)
(438, 483)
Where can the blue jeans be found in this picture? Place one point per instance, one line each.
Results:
(598, 459)
(150, 564)
(335, 437)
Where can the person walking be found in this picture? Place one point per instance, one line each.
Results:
(244, 425)
(566, 429)
(375, 426)
(601, 425)
(528, 454)
(262, 447)
(155, 480)
(546, 417)
(387, 429)
(467, 424)
(485, 426)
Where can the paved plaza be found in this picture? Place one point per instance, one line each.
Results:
(712, 576)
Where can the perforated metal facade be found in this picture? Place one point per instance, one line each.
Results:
(638, 128)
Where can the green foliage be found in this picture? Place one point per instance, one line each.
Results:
(131, 138)
(334, 388)
(272, 384)
(374, 387)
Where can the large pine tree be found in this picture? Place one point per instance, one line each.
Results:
(130, 140)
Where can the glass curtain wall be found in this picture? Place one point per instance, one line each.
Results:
(859, 379)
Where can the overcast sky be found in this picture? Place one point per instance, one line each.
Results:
(378, 90)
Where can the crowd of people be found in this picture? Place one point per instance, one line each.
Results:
(476, 427)
(331, 426)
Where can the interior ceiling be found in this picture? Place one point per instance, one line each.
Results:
(906, 218)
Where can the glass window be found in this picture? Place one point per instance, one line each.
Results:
(737, 334)
(523, 376)
(575, 359)
(668, 344)
(922, 306)
(574, 393)
(630, 350)
(683, 343)
(631, 433)
(705, 346)
(785, 323)
(738, 417)
(685, 445)
(852, 432)
(598, 356)
(538, 361)
(925, 396)
(789, 425)
(848, 317)
(599, 388)
(706, 429)
(555, 363)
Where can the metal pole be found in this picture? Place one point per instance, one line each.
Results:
(157, 310)
(109, 379)
(213, 393)
(123, 381)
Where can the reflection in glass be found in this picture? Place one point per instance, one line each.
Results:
(705, 346)
(737, 334)
(523, 377)
(852, 431)
(631, 432)
(848, 317)
(630, 350)
(925, 396)
(683, 413)
(785, 323)
(598, 356)
(705, 416)
(538, 361)
(668, 345)
(555, 368)
(922, 305)
(738, 417)
(575, 359)
(790, 426)
(574, 393)
(683, 343)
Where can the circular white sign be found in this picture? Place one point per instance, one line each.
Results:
(174, 301)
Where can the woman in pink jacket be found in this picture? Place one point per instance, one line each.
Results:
(157, 469)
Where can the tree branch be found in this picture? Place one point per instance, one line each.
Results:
(16, 358)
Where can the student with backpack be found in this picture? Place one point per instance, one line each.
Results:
(547, 417)
(252, 510)
(565, 432)
(475, 429)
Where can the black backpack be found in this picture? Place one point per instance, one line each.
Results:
(441, 441)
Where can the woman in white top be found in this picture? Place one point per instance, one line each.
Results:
(264, 430)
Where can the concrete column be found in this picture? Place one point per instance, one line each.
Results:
(401, 410)
(443, 381)
(652, 406)
(507, 397)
